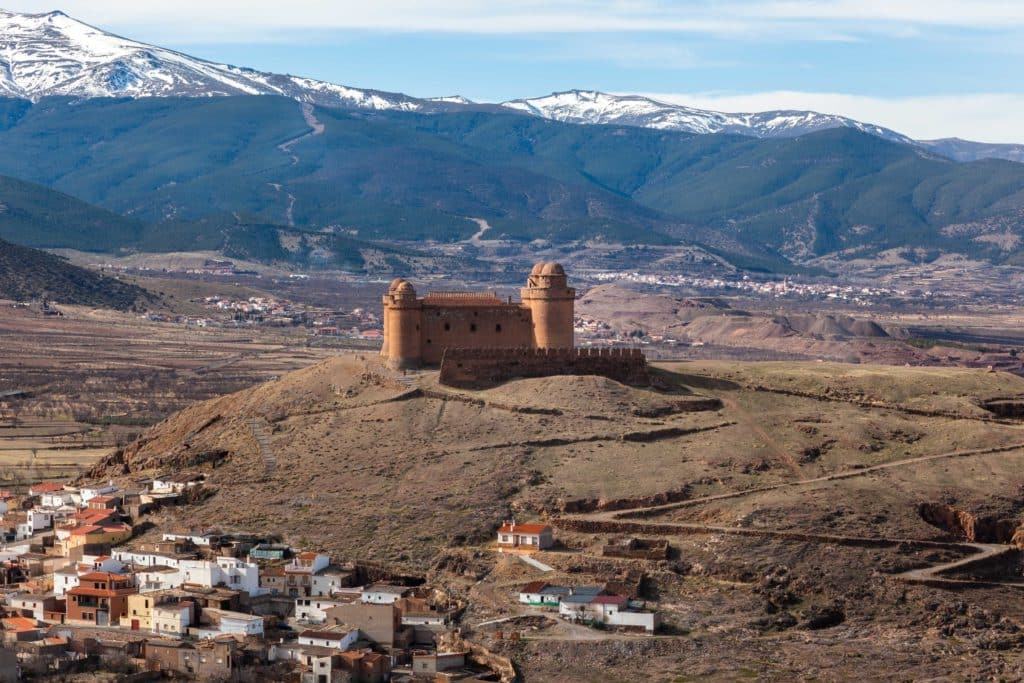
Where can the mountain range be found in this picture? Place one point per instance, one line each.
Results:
(52, 54)
(117, 145)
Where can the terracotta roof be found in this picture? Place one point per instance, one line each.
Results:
(523, 528)
(609, 600)
(100, 592)
(307, 556)
(19, 624)
(103, 576)
(534, 587)
(85, 529)
(46, 487)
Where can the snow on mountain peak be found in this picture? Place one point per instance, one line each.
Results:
(594, 107)
(53, 54)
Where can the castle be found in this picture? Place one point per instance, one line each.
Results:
(479, 339)
(417, 330)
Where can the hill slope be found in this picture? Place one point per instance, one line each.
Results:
(27, 274)
(398, 175)
(37, 216)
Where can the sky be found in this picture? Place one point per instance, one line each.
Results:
(929, 69)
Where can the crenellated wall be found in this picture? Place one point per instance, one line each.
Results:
(475, 368)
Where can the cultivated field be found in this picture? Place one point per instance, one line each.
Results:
(74, 388)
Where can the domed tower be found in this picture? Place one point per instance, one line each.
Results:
(551, 302)
(402, 317)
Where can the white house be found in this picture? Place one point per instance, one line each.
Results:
(308, 563)
(384, 594)
(59, 499)
(330, 580)
(525, 536)
(36, 520)
(64, 580)
(338, 638)
(172, 619)
(224, 571)
(87, 493)
(218, 622)
(30, 602)
(103, 563)
(148, 558)
(176, 482)
(314, 610)
(612, 610)
(157, 578)
(206, 538)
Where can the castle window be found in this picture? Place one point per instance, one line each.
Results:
(472, 327)
(497, 328)
(428, 341)
(447, 327)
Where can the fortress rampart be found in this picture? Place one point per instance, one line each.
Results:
(478, 368)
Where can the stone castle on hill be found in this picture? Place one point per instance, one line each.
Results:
(477, 338)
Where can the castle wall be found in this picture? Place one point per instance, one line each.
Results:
(402, 323)
(479, 368)
(505, 326)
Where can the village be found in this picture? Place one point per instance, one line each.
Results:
(90, 585)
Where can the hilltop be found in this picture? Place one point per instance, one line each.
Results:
(798, 496)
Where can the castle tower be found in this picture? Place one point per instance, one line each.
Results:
(402, 318)
(551, 302)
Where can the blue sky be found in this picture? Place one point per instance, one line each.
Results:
(929, 69)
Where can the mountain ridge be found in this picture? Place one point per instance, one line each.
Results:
(52, 54)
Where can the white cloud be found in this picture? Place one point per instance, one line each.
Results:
(985, 117)
(798, 19)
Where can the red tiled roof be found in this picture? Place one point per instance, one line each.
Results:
(84, 530)
(100, 592)
(307, 556)
(102, 576)
(609, 600)
(534, 587)
(523, 528)
(19, 624)
(46, 487)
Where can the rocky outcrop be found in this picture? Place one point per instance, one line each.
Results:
(975, 528)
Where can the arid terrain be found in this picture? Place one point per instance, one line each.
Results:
(75, 386)
(810, 507)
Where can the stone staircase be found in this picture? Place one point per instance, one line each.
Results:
(258, 426)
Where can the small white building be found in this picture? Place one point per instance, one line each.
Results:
(172, 619)
(64, 580)
(59, 499)
(177, 482)
(339, 638)
(157, 578)
(525, 536)
(330, 580)
(314, 610)
(308, 563)
(218, 622)
(148, 558)
(231, 572)
(87, 493)
(384, 594)
(204, 538)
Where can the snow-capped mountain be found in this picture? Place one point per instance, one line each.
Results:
(53, 54)
(588, 106)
